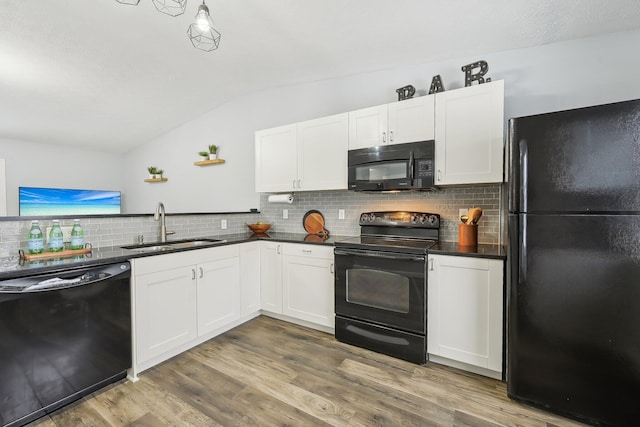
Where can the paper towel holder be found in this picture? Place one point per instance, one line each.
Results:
(281, 198)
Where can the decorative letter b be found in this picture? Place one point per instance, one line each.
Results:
(405, 92)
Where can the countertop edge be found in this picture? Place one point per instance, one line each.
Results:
(115, 254)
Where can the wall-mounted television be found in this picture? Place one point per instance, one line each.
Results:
(36, 201)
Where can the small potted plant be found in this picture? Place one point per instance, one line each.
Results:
(204, 155)
(153, 171)
(213, 152)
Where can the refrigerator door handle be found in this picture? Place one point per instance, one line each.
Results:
(524, 174)
(522, 255)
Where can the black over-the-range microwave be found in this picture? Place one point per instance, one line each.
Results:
(392, 167)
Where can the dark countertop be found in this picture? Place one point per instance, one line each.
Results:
(13, 267)
(481, 251)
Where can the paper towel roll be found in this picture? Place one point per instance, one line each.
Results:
(281, 198)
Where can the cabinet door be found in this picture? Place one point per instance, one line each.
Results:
(276, 159)
(412, 120)
(308, 289)
(165, 316)
(368, 127)
(465, 310)
(271, 276)
(249, 278)
(469, 134)
(218, 294)
(322, 153)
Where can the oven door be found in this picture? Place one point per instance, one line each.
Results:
(384, 288)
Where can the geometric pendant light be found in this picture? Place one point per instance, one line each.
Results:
(171, 7)
(201, 33)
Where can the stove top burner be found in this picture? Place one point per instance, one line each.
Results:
(387, 243)
(395, 231)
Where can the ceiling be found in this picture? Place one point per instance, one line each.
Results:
(110, 77)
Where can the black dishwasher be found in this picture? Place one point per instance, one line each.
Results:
(62, 336)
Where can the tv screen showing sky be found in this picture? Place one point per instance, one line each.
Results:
(35, 201)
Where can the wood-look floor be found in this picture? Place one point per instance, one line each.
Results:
(272, 373)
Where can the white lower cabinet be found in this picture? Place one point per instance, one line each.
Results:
(298, 282)
(465, 313)
(184, 298)
(308, 283)
(218, 291)
(271, 276)
(250, 295)
(165, 311)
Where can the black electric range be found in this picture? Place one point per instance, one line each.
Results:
(381, 283)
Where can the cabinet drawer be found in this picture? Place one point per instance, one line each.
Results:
(151, 264)
(311, 251)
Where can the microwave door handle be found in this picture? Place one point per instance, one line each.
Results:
(411, 167)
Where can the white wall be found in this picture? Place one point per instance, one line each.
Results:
(227, 187)
(30, 164)
(539, 79)
(3, 189)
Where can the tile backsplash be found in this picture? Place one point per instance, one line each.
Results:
(445, 201)
(117, 231)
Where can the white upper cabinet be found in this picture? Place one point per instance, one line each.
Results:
(276, 159)
(322, 153)
(469, 134)
(368, 127)
(399, 122)
(412, 120)
(307, 156)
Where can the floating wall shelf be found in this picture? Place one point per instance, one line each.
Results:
(209, 162)
(156, 180)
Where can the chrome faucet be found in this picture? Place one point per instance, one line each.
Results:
(160, 215)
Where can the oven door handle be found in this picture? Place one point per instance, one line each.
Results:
(376, 254)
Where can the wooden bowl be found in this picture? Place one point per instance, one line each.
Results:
(259, 228)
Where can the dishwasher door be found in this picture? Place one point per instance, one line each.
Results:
(62, 336)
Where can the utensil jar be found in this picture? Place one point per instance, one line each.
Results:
(467, 234)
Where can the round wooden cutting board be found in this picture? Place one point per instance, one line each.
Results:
(313, 223)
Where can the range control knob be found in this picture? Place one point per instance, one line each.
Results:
(364, 217)
(423, 219)
(433, 220)
(372, 217)
(414, 218)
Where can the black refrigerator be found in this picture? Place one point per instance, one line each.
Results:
(573, 331)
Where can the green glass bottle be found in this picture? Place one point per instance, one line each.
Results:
(36, 239)
(77, 236)
(56, 238)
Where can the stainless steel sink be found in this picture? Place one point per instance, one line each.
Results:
(179, 244)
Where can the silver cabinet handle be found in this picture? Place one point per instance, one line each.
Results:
(332, 269)
(201, 273)
(390, 136)
(439, 175)
(299, 183)
(307, 251)
(431, 264)
(384, 137)
(294, 183)
(193, 274)
(278, 249)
